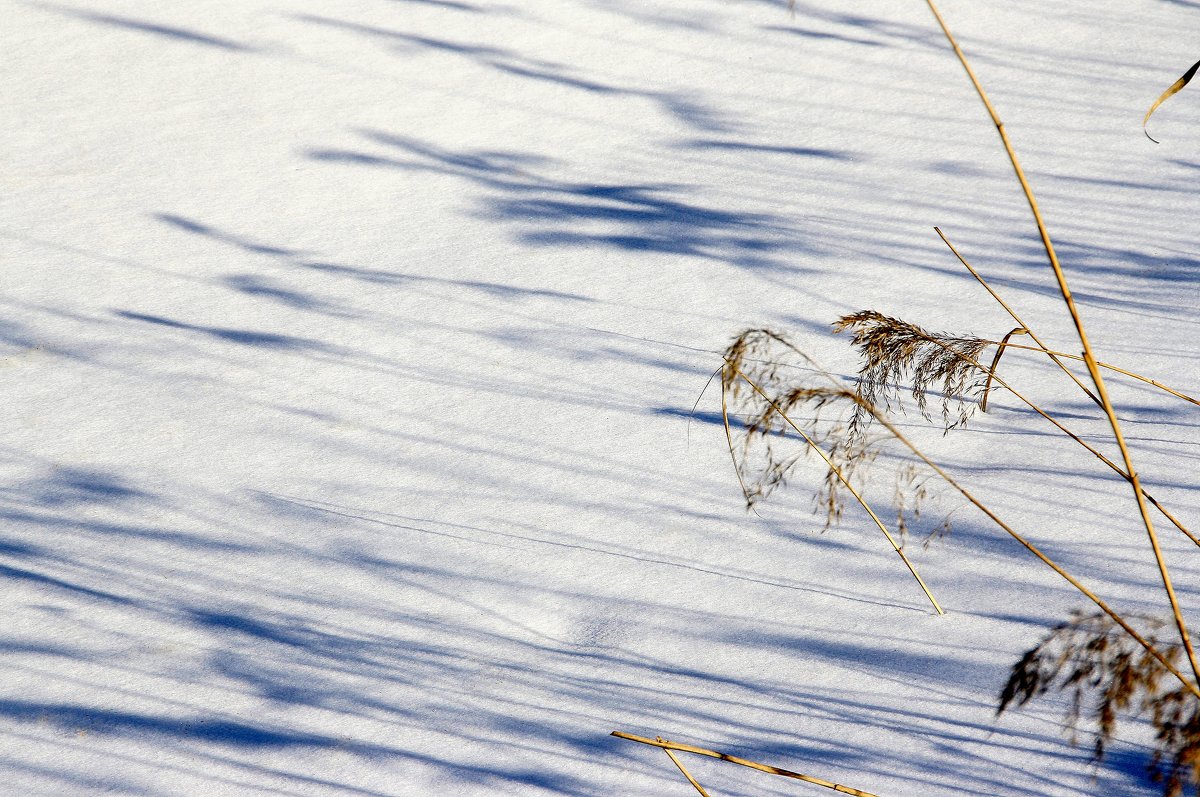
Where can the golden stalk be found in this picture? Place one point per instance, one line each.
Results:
(1114, 466)
(842, 478)
(786, 773)
(1089, 358)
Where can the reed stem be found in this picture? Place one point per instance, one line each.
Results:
(1013, 314)
(1104, 607)
(1054, 355)
(1115, 369)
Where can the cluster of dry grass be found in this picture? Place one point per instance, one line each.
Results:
(1107, 673)
(1110, 663)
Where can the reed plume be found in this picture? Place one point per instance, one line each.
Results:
(896, 352)
(1105, 673)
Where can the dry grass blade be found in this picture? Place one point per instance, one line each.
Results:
(1000, 347)
(786, 773)
(750, 495)
(1174, 89)
(1084, 656)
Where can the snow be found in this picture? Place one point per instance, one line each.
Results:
(347, 353)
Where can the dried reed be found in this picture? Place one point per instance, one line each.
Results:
(880, 416)
(1089, 358)
(1085, 656)
(895, 352)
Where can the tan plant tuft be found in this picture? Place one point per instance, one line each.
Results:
(896, 352)
(825, 411)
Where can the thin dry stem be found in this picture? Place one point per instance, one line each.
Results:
(729, 440)
(1113, 368)
(770, 770)
(1093, 597)
(1088, 357)
(1171, 91)
(1051, 353)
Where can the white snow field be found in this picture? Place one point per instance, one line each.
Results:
(347, 352)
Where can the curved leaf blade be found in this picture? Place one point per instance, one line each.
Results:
(1174, 89)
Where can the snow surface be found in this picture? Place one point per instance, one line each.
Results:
(347, 351)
